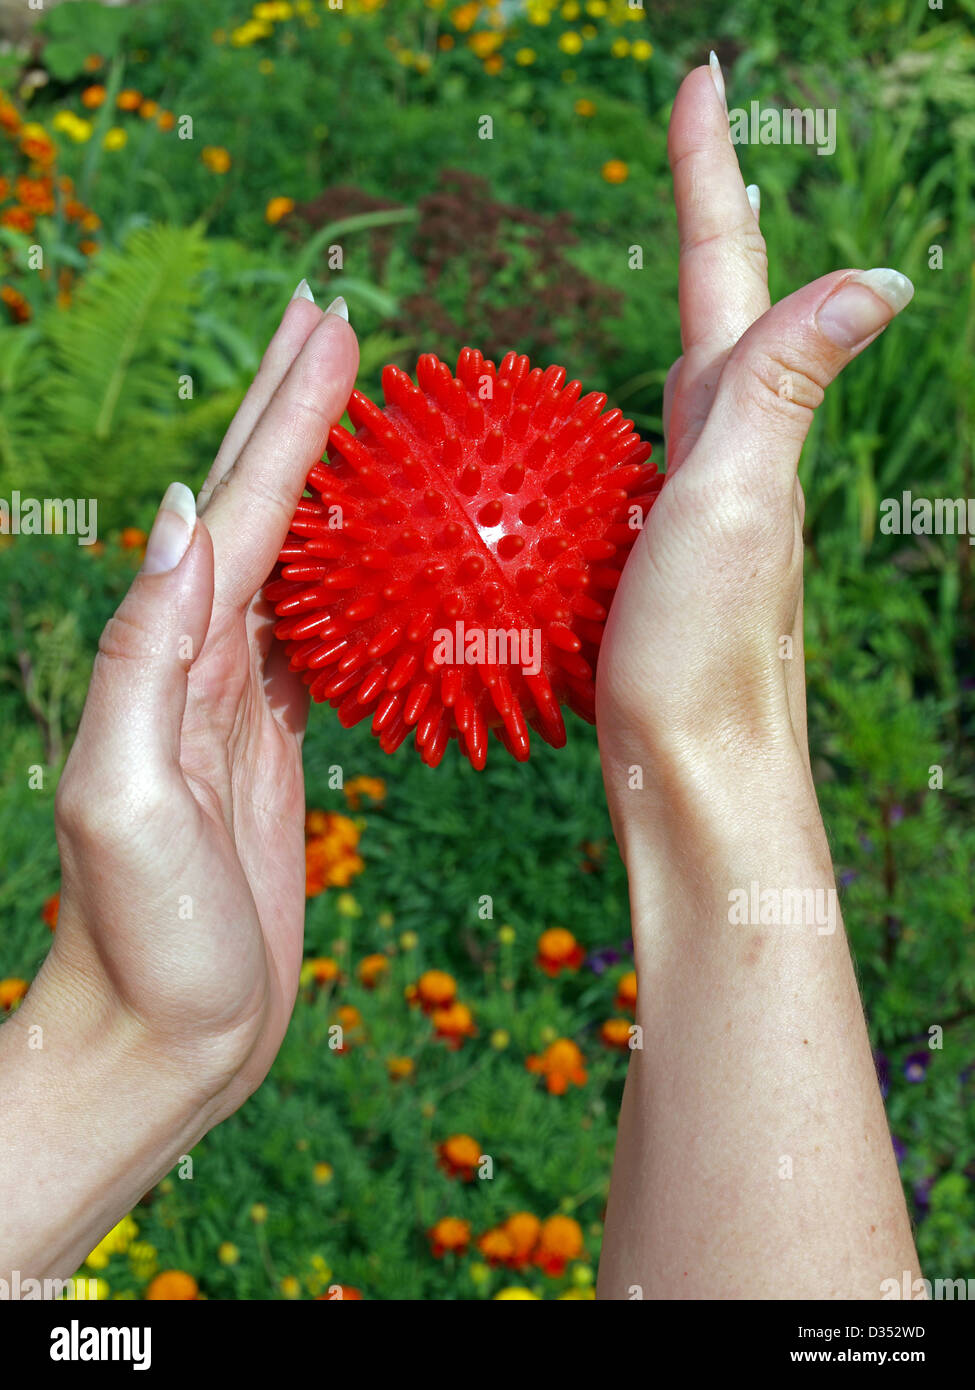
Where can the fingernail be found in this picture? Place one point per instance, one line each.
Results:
(303, 292)
(864, 304)
(754, 194)
(171, 531)
(717, 77)
(339, 306)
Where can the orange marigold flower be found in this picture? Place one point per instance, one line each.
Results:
(49, 912)
(349, 1017)
(373, 787)
(585, 107)
(615, 1032)
(435, 989)
(87, 247)
(449, 1233)
(128, 100)
(372, 969)
(400, 1068)
(132, 538)
(11, 993)
(616, 171)
(93, 62)
(459, 1156)
(36, 194)
(626, 992)
(560, 1064)
(20, 310)
(496, 1246)
(453, 1024)
(339, 1293)
(216, 158)
(93, 96)
(523, 1230)
(493, 65)
(9, 117)
(559, 1241)
(324, 969)
(4, 187)
(172, 1285)
(21, 219)
(278, 208)
(148, 109)
(36, 144)
(331, 859)
(165, 120)
(558, 950)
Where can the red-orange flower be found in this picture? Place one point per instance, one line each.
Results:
(626, 992)
(559, 1241)
(496, 1246)
(453, 1024)
(331, 857)
(459, 1156)
(523, 1230)
(36, 194)
(372, 969)
(449, 1233)
(340, 1293)
(400, 1068)
(558, 950)
(615, 1032)
(172, 1284)
(560, 1064)
(21, 219)
(132, 538)
(128, 100)
(324, 970)
(435, 989)
(9, 117)
(93, 96)
(358, 787)
(49, 912)
(16, 303)
(11, 992)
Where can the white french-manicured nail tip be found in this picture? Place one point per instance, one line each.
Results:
(339, 306)
(303, 292)
(754, 195)
(179, 498)
(717, 77)
(892, 287)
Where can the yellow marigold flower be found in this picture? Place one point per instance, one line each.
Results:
(115, 139)
(409, 941)
(216, 158)
(570, 10)
(265, 67)
(227, 1253)
(507, 935)
(278, 208)
(570, 42)
(575, 1295)
(144, 1259)
(642, 50)
(620, 48)
(348, 905)
(525, 57)
(173, 1285)
(258, 1213)
(128, 100)
(81, 1287)
(615, 171)
(385, 920)
(515, 1292)
(12, 991)
(323, 1173)
(597, 8)
(290, 1286)
(500, 1039)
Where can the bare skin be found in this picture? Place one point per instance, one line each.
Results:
(753, 1158)
(179, 815)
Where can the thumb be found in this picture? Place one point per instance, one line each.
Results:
(132, 717)
(776, 375)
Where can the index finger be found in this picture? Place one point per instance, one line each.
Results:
(252, 505)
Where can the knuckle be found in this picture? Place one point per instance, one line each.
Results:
(781, 388)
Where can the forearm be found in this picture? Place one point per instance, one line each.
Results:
(754, 1158)
(90, 1118)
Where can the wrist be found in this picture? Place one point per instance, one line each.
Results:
(94, 1117)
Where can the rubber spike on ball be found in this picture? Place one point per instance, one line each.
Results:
(450, 570)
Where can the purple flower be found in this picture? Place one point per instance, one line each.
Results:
(900, 1150)
(895, 815)
(866, 843)
(916, 1065)
(882, 1063)
(922, 1196)
(600, 961)
(847, 877)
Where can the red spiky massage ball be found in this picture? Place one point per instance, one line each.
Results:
(454, 565)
